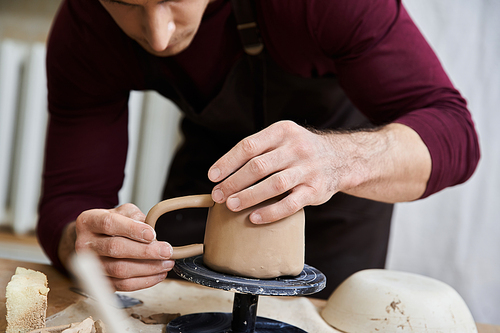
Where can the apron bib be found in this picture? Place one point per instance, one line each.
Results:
(344, 235)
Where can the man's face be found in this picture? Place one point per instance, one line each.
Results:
(163, 28)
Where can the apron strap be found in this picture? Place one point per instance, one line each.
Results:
(248, 30)
(247, 26)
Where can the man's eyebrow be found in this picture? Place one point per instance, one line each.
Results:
(120, 2)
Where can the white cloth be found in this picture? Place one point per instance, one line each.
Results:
(454, 236)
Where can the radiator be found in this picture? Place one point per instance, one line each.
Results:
(153, 137)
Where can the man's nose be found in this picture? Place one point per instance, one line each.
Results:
(158, 27)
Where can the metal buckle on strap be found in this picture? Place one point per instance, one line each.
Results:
(250, 38)
(247, 26)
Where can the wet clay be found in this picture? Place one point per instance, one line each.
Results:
(235, 245)
(187, 251)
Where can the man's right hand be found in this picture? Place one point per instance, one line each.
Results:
(131, 256)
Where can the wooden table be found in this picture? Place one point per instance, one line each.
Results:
(60, 297)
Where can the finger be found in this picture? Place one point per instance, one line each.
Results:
(137, 283)
(113, 224)
(255, 170)
(287, 206)
(245, 150)
(132, 211)
(129, 268)
(270, 187)
(120, 247)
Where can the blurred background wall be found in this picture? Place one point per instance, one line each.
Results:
(452, 236)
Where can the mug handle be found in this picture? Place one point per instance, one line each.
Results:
(190, 201)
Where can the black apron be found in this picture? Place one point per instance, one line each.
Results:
(344, 235)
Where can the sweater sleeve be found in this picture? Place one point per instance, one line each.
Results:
(391, 74)
(87, 137)
(84, 161)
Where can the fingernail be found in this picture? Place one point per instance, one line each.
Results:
(233, 203)
(217, 195)
(168, 264)
(148, 235)
(165, 250)
(255, 218)
(214, 174)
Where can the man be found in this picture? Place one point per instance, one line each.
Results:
(284, 119)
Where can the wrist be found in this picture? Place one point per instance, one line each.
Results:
(390, 163)
(359, 156)
(67, 244)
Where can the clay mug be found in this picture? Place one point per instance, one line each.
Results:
(235, 245)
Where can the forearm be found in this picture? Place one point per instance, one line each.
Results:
(84, 159)
(391, 164)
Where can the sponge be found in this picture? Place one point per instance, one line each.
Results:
(26, 296)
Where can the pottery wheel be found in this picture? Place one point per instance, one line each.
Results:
(247, 291)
